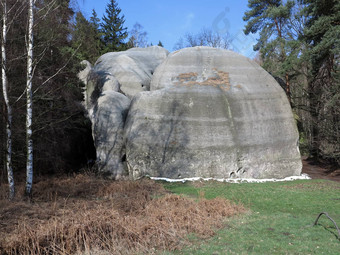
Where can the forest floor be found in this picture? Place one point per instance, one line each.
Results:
(318, 170)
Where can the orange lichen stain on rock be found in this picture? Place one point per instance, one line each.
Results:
(217, 79)
(186, 77)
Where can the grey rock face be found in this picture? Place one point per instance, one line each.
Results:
(107, 125)
(115, 78)
(131, 69)
(83, 75)
(211, 113)
(199, 112)
(85, 72)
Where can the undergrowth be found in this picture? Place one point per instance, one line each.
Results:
(82, 214)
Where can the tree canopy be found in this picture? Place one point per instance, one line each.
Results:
(299, 45)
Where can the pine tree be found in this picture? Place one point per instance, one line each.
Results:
(112, 27)
(95, 23)
(94, 20)
(271, 19)
(322, 30)
(160, 44)
(79, 35)
(322, 33)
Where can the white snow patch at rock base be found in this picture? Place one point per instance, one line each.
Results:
(235, 180)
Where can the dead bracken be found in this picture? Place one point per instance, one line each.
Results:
(83, 214)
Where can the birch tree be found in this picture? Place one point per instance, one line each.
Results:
(7, 103)
(138, 37)
(29, 103)
(58, 121)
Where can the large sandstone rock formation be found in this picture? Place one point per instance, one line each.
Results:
(206, 113)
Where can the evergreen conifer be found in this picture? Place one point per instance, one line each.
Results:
(112, 28)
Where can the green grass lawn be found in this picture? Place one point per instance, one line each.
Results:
(279, 221)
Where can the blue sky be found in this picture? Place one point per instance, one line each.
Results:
(168, 20)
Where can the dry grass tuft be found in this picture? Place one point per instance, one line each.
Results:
(315, 186)
(83, 214)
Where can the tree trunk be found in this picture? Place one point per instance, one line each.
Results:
(8, 106)
(29, 141)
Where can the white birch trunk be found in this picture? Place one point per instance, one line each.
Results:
(8, 106)
(29, 141)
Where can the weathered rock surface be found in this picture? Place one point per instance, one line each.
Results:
(203, 112)
(211, 113)
(85, 72)
(128, 72)
(107, 126)
(110, 84)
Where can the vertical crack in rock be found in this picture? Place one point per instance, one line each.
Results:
(234, 139)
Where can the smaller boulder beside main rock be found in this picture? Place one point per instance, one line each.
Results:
(108, 124)
(111, 83)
